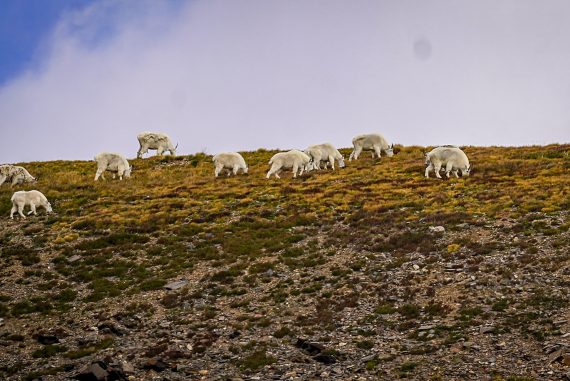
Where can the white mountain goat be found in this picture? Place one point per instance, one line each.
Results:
(296, 160)
(32, 198)
(452, 159)
(324, 152)
(112, 162)
(15, 174)
(375, 142)
(155, 140)
(232, 161)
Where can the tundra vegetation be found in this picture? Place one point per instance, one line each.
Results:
(345, 259)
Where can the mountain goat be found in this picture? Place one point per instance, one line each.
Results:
(15, 174)
(297, 160)
(324, 152)
(232, 161)
(112, 162)
(155, 141)
(452, 159)
(32, 198)
(375, 142)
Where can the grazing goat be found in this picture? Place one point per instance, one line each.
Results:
(452, 159)
(324, 152)
(155, 141)
(296, 160)
(15, 174)
(112, 162)
(232, 161)
(32, 198)
(375, 142)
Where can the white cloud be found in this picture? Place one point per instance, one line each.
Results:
(244, 74)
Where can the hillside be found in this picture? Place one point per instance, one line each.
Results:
(333, 275)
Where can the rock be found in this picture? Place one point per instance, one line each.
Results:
(156, 350)
(234, 334)
(91, 372)
(368, 358)
(157, 364)
(311, 348)
(325, 358)
(47, 339)
(486, 329)
(556, 355)
(127, 367)
(427, 327)
(501, 345)
(416, 267)
(86, 340)
(316, 350)
(549, 348)
(560, 322)
(176, 354)
(176, 285)
(110, 328)
(74, 258)
(437, 229)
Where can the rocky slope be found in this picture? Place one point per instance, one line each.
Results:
(371, 272)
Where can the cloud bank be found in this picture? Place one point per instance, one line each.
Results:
(243, 74)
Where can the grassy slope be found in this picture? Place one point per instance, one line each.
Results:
(331, 240)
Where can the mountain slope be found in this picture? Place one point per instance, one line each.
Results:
(336, 275)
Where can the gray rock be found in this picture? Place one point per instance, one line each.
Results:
(127, 367)
(437, 229)
(74, 258)
(176, 285)
(554, 356)
(92, 372)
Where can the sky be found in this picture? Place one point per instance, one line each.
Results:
(78, 77)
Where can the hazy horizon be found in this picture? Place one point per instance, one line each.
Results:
(222, 75)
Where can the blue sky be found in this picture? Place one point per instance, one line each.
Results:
(24, 26)
(81, 77)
